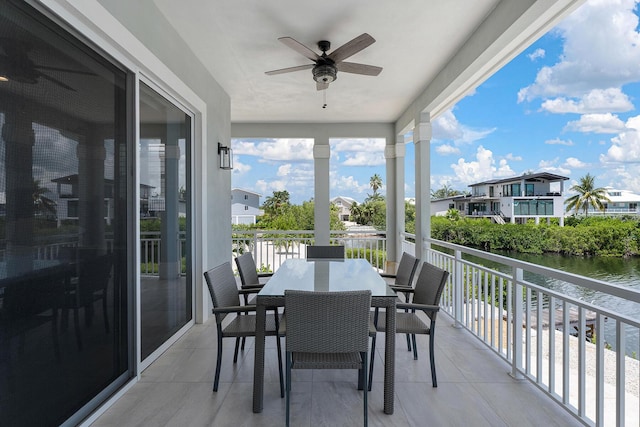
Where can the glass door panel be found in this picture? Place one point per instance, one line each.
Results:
(165, 279)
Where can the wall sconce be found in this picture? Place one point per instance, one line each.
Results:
(226, 157)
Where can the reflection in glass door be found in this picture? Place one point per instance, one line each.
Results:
(165, 274)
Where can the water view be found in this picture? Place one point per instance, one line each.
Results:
(618, 271)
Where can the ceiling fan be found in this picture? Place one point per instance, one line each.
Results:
(325, 67)
(15, 65)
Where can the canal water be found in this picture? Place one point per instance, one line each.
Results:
(619, 271)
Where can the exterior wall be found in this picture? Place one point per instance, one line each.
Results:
(245, 197)
(243, 214)
(344, 207)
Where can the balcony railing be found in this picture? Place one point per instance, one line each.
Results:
(584, 356)
(270, 248)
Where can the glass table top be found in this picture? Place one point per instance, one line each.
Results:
(326, 275)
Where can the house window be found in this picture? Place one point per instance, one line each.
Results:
(246, 208)
(528, 190)
(246, 197)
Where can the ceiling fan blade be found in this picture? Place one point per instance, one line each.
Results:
(56, 81)
(352, 67)
(290, 69)
(322, 85)
(300, 48)
(66, 70)
(352, 47)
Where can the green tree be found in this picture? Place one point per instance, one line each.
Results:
(445, 191)
(276, 204)
(588, 195)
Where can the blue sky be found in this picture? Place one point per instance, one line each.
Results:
(567, 105)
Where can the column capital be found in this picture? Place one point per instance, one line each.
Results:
(321, 151)
(394, 151)
(422, 132)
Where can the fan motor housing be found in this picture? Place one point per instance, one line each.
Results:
(325, 73)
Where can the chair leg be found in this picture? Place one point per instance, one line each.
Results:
(288, 386)
(218, 361)
(408, 342)
(279, 345)
(235, 353)
(415, 348)
(432, 358)
(365, 357)
(373, 355)
(104, 311)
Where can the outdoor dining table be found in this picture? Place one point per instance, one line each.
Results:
(325, 275)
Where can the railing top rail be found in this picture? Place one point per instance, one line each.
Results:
(586, 282)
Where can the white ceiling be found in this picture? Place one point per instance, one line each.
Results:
(431, 51)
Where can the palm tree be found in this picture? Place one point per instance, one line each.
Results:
(375, 182)
(587, 196)
(43, 206)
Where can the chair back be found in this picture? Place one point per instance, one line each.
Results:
(247, 270)
(406, 270)
(429, 286)
(327, 322)
(332, 251)
(94, 276)
(222, 288)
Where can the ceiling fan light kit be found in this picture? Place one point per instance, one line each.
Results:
(326, 66)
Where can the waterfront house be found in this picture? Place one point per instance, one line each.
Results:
(245, 206)
(621, 202)
(153, 91)
(520, 198)
(344, 206)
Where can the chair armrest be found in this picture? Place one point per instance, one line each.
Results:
(248, 291)
(265, 274)
(401, 288)
(387, 275)
(234, 309)
(423, 307)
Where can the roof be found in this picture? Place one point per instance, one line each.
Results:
(527, 177)
(246, 191)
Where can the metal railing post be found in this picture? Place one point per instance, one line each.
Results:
(458, 297)
(516, 319)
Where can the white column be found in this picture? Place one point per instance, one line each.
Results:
(422, 141)
(321, 153)
(394, 155)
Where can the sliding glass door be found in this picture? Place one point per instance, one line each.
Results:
(165, 274)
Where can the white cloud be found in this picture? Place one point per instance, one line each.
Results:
(284, 149)
(558, 141)
(513, 157)
(364, 158)
(597, 123)
(596, 101)
(574, 163)
(358, 144)
(447, 127)
(240, 168)
(538, 53)
(340, 184)
(481, 169)
(446, 149)
(601, 51)
(552, 167)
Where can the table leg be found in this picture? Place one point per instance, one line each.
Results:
(389, 357)
(258, 365)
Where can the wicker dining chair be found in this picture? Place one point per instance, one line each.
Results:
(329, 252)
(327, 330)
(426, 298)
(226, 300)
(402, 280)
(248, 271)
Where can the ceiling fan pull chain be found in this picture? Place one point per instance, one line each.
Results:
(324, 94)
